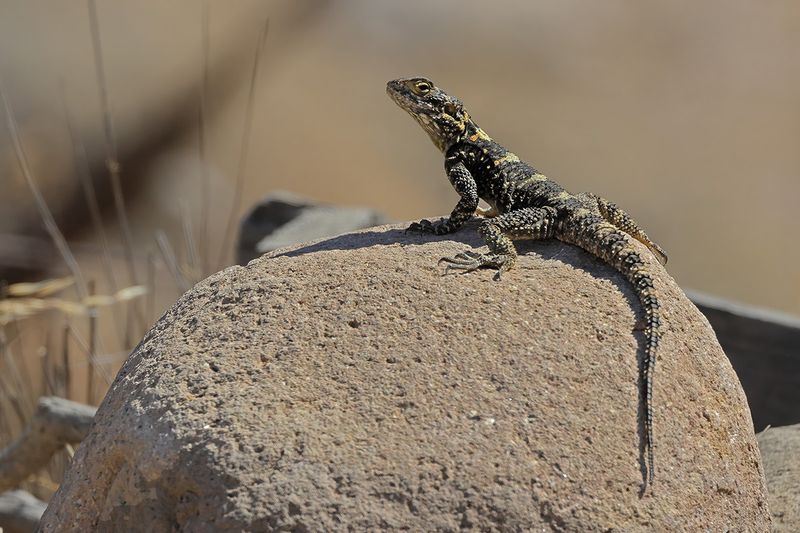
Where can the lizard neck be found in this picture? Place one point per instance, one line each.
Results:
(465, 131)
(473, 132)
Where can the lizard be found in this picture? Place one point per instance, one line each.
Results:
(526, 204)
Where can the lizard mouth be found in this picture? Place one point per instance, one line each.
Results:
(394, 93)
(397, 92)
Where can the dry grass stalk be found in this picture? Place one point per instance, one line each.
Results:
(66, 381)
(84, 346)
(248, 125)
(168, 255)
(87, 185)
(18, 393)
(192, 268)
(92, 348)
(150, 305)
(41, 205)
(202, 112)
(112, 161)
(28, 299)
(90, 195)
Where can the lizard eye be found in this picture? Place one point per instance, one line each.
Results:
(422, 88)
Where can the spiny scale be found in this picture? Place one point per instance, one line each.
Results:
(525, 204)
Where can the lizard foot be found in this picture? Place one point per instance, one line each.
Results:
(426, 226)
(469, 261)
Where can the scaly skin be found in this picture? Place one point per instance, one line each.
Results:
(525, 204)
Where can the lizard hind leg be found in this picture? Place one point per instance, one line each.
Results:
(498, 232)
(612, 213)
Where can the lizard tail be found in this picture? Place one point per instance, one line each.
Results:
(634, 269)
(604, 240)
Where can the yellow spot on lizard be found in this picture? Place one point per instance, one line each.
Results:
(508, 158)
(480, 134)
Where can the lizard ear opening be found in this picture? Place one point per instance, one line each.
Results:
(453, 109)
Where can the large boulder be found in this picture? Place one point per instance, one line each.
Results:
(346, 384)
(780, 453)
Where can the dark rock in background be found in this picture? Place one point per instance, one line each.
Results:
(283, 219)
(764, 349)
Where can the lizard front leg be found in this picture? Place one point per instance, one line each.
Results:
(465, 186)
(528, 223)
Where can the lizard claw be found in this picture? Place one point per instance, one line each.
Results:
(468, 258)
(468, 261)
(425, 226)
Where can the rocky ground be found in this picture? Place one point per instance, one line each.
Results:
(345, 383)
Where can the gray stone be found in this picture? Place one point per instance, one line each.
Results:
(764, 349)
(283, 219)
(345, 385)
(780, 453)
(20, 511)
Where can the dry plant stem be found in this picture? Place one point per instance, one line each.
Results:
(8, 397)
(92, 350)
(112, 161)
(22, 371)
(168, 255)
(151, 285)
(17, 407)
(202, 113)
(75, 334)
(67, 376)
(48, 367)
(41, 205)
(57, 421)
(20, 511)
(248, 125)
(189, 243)
(82, 170)
(10, 393)
(5, 431)
(15, 389)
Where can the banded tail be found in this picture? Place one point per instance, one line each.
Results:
(604, 240)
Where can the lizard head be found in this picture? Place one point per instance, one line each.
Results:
(442, 116)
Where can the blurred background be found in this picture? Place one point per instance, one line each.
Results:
(685, 113)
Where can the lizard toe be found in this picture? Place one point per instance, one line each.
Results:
(468, 261)
(423, 226)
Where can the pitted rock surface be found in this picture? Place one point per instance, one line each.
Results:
(345, 384)
(780, 453)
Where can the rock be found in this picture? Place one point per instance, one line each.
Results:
(283, 219)
(780, 453)
(345, 384)
(762, 347)
(20, 511)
